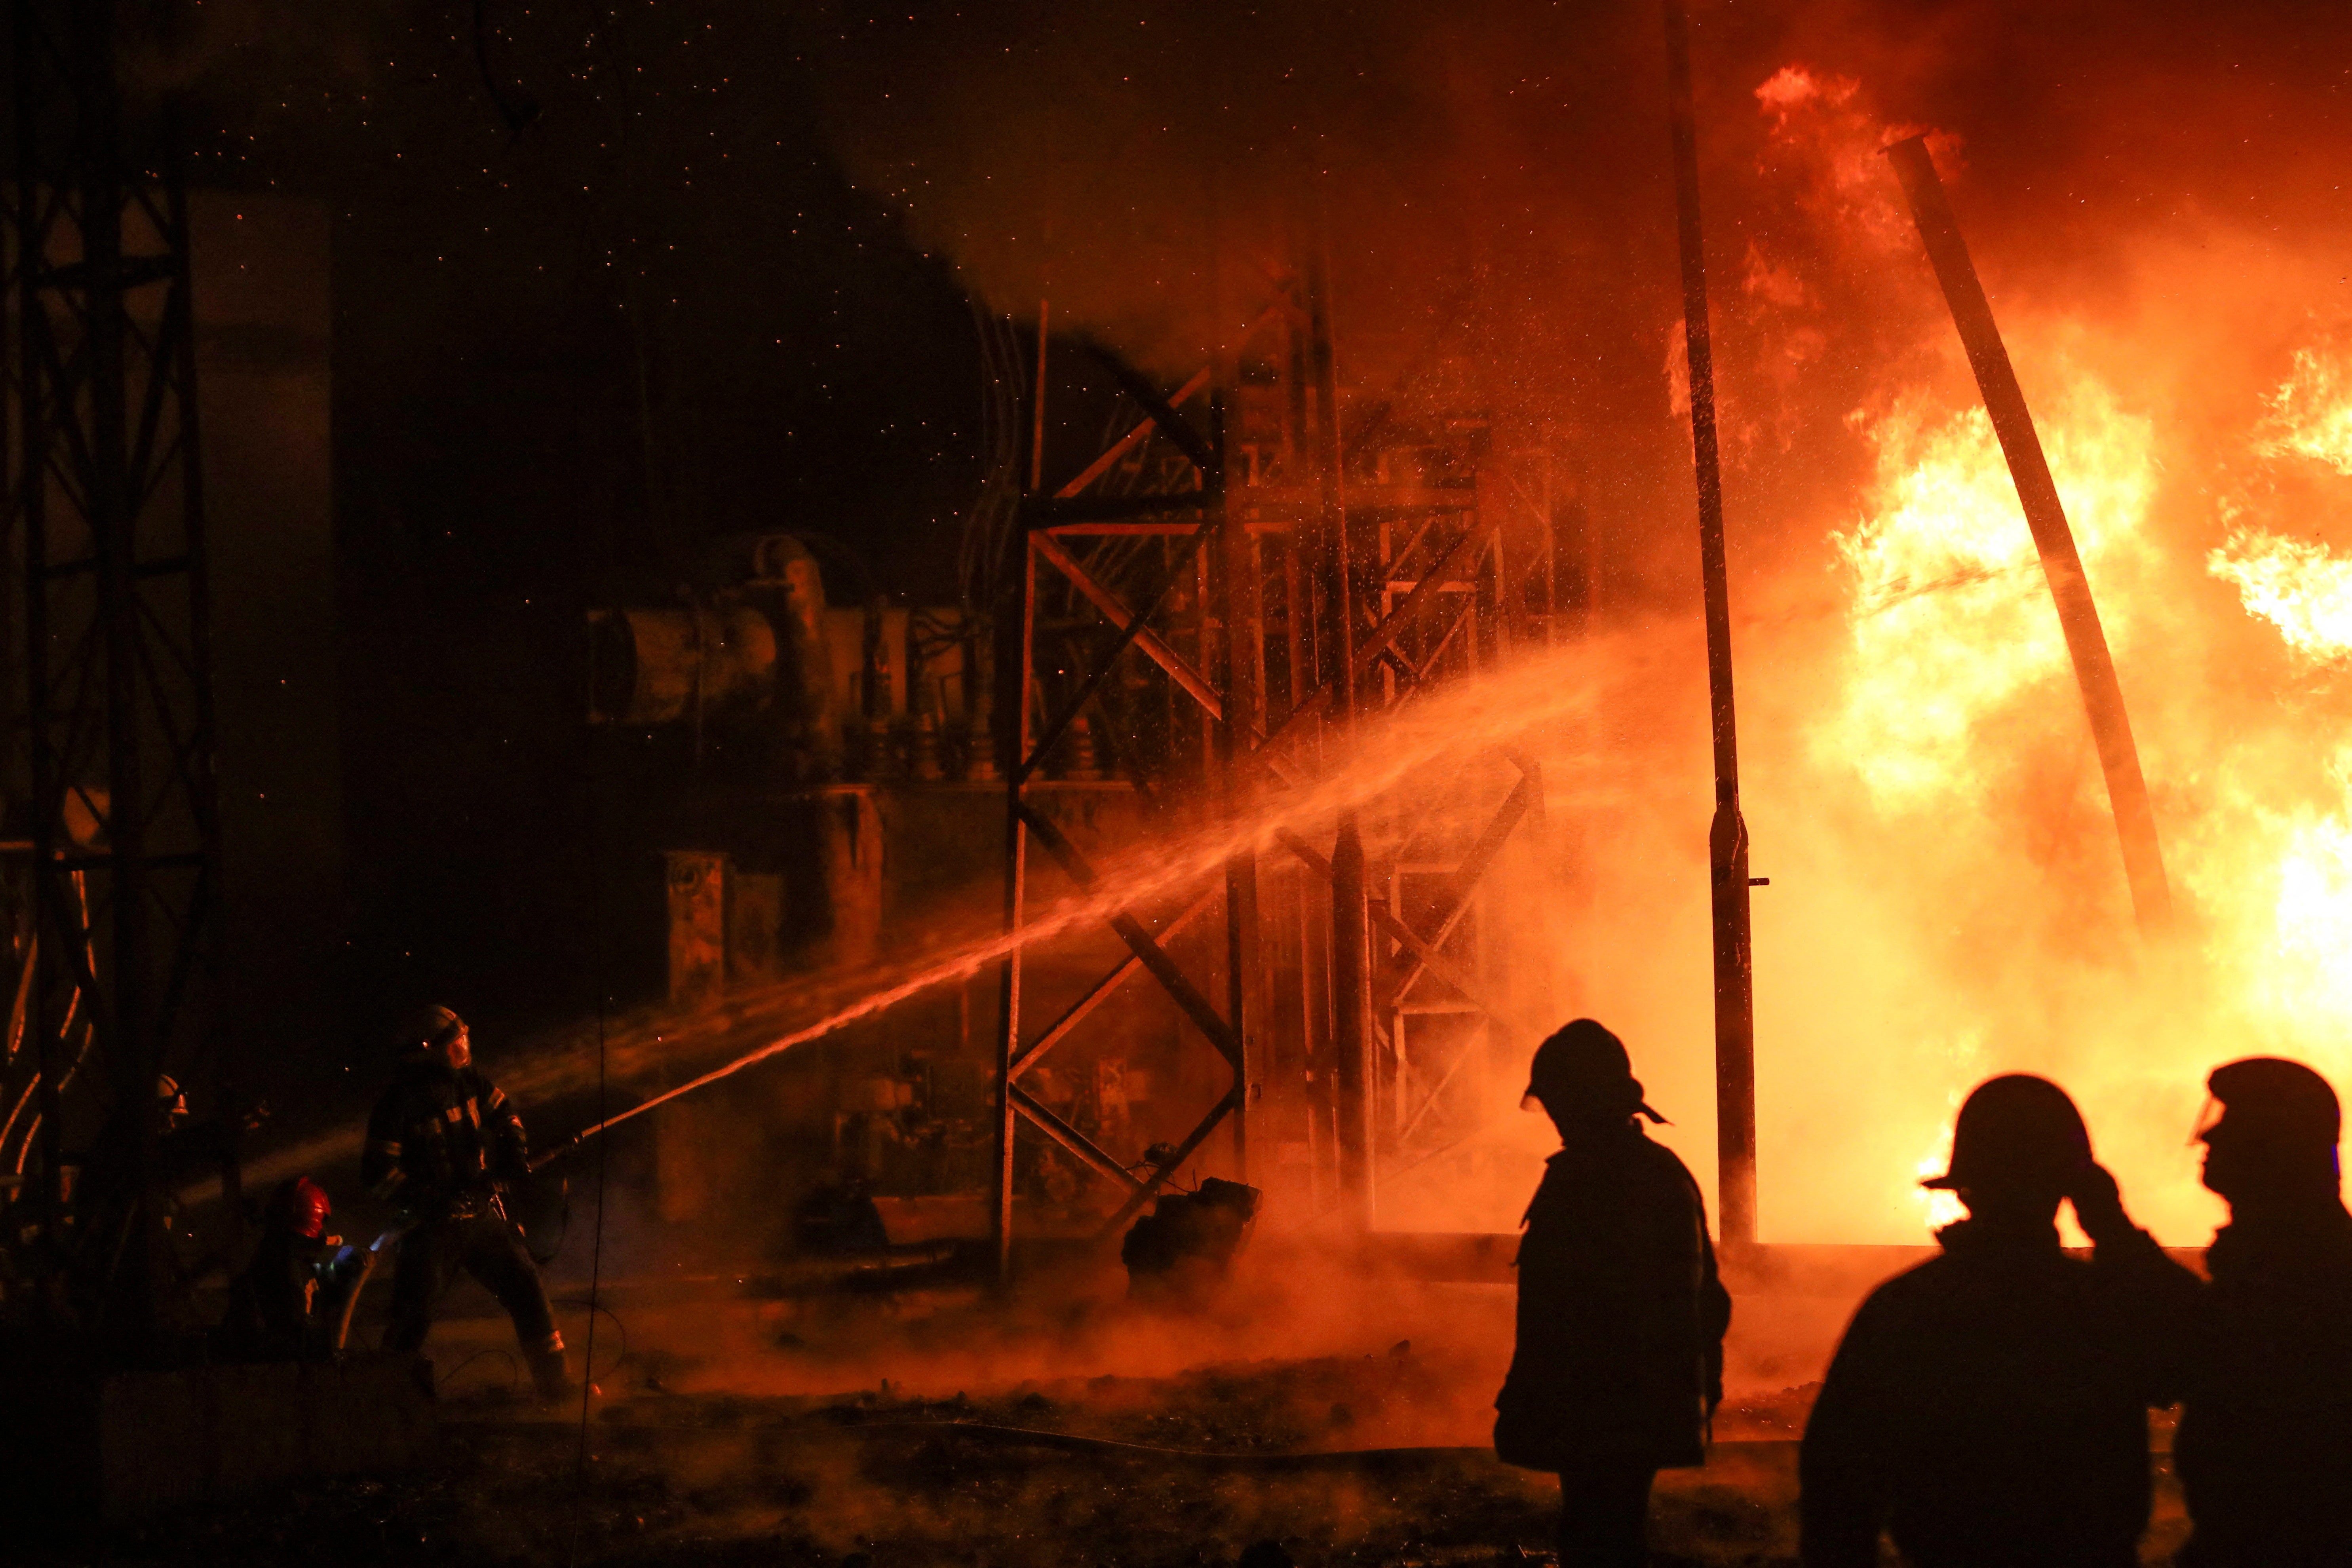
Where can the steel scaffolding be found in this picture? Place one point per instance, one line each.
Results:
(1285, 592)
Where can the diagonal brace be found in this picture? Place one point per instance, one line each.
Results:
(1147, 642)
(1139, 941)
(1126, 443)
(1159, 1174)
(1385, 918)
(1107, 660)
(1027, 1056)
(1466, 877)
(1170, 423)
(1070, 1138)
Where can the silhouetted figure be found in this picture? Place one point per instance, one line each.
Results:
(1989, 1408)
(1621, 1320)
(441, 1141)
(2264, 1449)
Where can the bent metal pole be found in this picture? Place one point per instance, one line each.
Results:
(1727, 839)
(2078, 615)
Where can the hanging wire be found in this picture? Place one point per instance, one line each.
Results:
(995, 512)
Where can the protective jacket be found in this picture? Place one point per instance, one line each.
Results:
(1620, 1315)
(2264, 1448)
(1991, 1407)
(439, 1137)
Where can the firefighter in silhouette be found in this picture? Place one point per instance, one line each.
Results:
(1619, 1363)
(2264, 1449)
(1989, 1406)
(442, 1142)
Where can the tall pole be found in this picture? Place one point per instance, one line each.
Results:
(1015, 639)
(1351, 978)
(1727, 839)
(2062, 564)
(1239, 698)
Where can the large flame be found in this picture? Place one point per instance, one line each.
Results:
(1957, 908)
(2311, 411)
(2302, 588)
(1952, 617)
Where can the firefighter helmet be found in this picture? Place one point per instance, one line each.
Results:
(2016, 1130)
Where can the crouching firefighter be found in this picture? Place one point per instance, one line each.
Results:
(441, 1143)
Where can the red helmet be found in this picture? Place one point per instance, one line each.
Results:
(302, 1209)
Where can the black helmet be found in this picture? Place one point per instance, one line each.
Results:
(2275, 1099)
(1583, 1066)
(2016, 1130)
(431, 1028)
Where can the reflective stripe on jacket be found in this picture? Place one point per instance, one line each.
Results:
(437, 1135)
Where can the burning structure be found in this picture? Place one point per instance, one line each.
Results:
(1263, 699)
(1201, 617)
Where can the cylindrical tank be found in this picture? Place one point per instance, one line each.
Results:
(654, 666)
(755, 650)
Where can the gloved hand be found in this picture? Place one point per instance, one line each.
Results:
(2099, 1206)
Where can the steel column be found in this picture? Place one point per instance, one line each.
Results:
(1735, 1007)
(1236, 579)
(1351, 971)
(1015, 673)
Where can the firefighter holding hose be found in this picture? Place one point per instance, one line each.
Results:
(442, 1142)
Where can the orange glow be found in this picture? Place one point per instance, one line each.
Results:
(1954, 904)
(1951, 617)
(2311, 413)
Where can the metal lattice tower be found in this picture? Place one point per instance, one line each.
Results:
(114, 744)
(1278, 592)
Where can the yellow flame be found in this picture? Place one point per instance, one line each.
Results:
(1953, 616)
(2311, 411)
(2305, 589)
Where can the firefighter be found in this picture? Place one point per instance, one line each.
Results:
(1619, 1365)
(441, 1143)
(2264, 1448)
(1990, 1405)
(288, 1304)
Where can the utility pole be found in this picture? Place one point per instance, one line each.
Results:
(1727, 839)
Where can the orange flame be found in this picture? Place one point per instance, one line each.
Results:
(1952, 619)
(2311, 411)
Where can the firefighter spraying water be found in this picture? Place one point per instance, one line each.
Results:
(443, 1142)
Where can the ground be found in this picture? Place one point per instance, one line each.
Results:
(897, 1432)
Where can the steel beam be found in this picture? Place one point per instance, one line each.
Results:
(2045, 515)
(1078, 1011)
(1139, 941)
(1145, 641)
